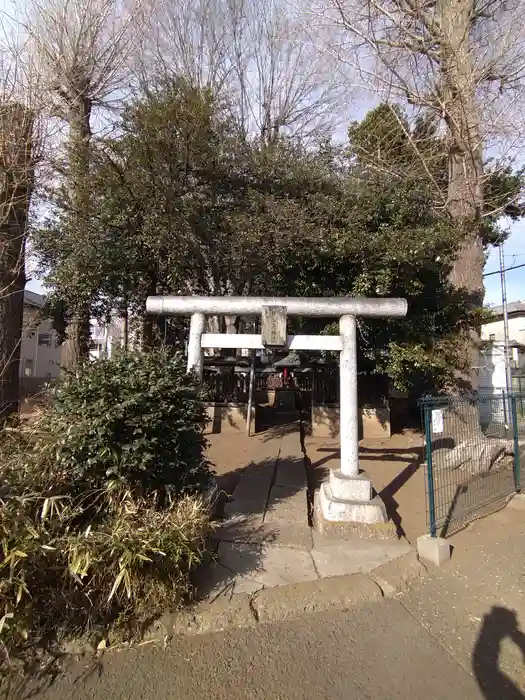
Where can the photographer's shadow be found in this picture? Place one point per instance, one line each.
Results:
(499, 624)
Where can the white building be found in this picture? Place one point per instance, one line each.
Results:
(491, 370)
(39, 349)
(492, 364)
(493, 328)
(40, 352)
(105, 338)
(492, 373)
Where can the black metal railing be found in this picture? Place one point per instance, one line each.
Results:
(226, 387)
(372, 388)
(303, 381)
(474, 456)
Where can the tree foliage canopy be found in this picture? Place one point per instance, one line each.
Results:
(186, 203)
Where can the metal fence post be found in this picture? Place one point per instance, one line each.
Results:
(430, 472)
(517, 471)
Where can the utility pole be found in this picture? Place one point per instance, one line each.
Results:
(508, 371)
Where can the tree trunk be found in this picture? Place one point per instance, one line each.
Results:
(125, 327)
(148, 322)
(465, 185)
(11, 320)
(75, 348)
(16, 152)
(464, 203)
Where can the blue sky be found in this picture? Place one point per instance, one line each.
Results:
(514, 250)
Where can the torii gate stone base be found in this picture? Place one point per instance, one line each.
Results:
(348, 496)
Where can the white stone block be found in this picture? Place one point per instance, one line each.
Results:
(350, 488)
(337, 510)
(436, 550)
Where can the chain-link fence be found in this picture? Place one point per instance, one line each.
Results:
(475, 453)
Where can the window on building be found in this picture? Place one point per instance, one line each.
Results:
(45, 340)
(28, 367)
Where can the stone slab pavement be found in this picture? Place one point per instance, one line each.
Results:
(231, 455)
(265, 539)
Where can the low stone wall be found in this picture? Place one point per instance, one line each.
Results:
(325, 421)
(374, 422)
(228, 418)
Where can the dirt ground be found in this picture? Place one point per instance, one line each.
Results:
(395, 465)
(231, 453)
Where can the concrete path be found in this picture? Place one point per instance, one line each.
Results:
(265, 539)
(379, 652)
(458, 633)
(475, 605)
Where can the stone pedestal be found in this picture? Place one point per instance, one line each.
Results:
(351, 501)
(350, 530)
(350, 488)
(338, 510)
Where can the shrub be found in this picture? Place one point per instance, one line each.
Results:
(137, 418)
(98, 532)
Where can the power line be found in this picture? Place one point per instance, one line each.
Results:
(497, 272)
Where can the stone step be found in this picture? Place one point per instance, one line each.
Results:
(294, 536)
(337, 557)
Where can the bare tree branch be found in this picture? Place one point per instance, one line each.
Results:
(255, 55)
(82, 50)
(462, 61)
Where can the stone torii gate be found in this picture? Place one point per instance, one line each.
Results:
(347, 496)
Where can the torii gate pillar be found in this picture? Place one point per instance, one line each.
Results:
(348, 495)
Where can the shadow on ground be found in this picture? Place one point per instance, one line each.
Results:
(267, 506)
(498, 625)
